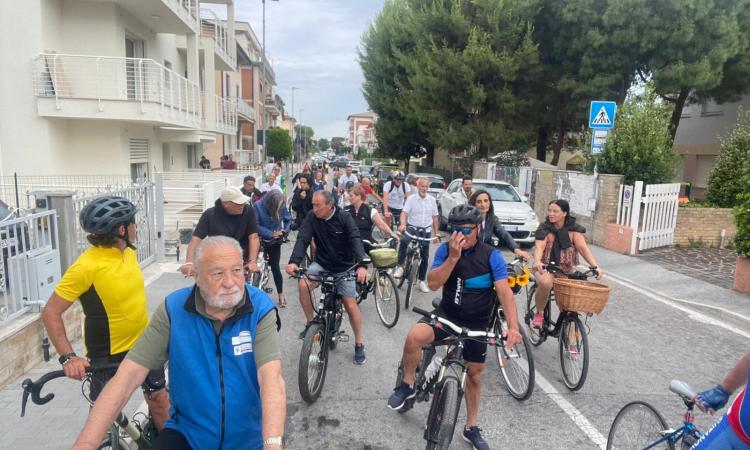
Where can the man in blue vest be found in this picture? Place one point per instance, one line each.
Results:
(220, 337)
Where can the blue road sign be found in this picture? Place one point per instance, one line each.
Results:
(602, 115)
(598, 139)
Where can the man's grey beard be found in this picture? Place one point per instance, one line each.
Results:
(223, 302)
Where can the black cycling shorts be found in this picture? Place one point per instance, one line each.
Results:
(474, 351)
(155, 380)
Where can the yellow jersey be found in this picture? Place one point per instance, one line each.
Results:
(110, 287)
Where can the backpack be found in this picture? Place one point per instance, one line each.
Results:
(393, 186)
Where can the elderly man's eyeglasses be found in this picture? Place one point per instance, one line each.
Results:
(465, 230)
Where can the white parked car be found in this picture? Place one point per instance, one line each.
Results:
(510, 207)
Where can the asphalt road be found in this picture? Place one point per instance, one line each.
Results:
(637, 347)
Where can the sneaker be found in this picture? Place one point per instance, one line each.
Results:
(400, 395)
(423, 287)
(399, 272)
(538, 321)
(473, 436)
(304, 331)
(359, 354)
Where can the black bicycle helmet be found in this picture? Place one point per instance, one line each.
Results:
(103, 215)
(349, 184)
(464, 214)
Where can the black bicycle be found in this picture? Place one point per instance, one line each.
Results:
(322, 334)
(141, 430)
(382, 283)
(262, 277)
(568, 328)
(445, 376)
(413, 260)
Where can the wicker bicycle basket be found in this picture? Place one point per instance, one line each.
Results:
(581, 296)
(384, 258)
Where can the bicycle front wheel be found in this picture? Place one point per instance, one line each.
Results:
(535, 334)
(516, 366)
(386, 298)
(574, 352)
(313, 363)
(638, 425)
(441, 422)
(411, 281)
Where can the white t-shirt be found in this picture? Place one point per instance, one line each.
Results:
(420, 211)
(344, 179)
(265, 187)
(396, 196)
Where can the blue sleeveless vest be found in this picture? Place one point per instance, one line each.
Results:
(213, 380)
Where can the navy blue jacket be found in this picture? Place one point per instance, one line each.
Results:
(266, 224)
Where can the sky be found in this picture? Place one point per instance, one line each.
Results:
(312, 45)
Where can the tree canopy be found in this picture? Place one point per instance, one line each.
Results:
(279, 143)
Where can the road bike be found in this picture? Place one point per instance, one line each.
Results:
(446, 382)
(381, 282)
(638, 425)
(323, 332)
(140, 429)
(413, 260)
(567, 328)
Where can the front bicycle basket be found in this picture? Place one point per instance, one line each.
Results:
(581, 296)
(384, 258)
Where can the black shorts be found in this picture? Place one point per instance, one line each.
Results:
(474, 351)
(155, 380)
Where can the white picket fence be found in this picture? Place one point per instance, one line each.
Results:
(652, 214)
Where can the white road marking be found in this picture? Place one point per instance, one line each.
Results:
(675, 303)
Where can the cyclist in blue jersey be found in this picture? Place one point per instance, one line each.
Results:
(468, 270)
(732, 432)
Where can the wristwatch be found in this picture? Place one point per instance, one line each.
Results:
(276, 440)
(66, 357)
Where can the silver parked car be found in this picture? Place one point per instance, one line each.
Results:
(510, 207)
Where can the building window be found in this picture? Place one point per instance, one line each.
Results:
(167, 75)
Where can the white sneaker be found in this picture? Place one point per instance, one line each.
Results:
(399, 272)
(423, 287)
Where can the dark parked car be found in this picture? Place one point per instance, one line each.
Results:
(381, 174)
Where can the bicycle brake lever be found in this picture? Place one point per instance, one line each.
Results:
(25, 398)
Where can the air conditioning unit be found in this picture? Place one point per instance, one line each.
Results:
(40, 268)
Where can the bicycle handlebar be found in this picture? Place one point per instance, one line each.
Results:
(329, 277)
(421, 238)
(682, 389)
(384, 244)
(34, 388)
(555, 268)
(457, 330)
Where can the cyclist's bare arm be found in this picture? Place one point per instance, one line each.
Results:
(436, 227)
(538, 254)
(113, 398)
(404, 216)
(737, 376)
(380, 223)
(53, 322)
(253, 248)
(583, 249)
(509, 310)
(386, 212)
(273, 398)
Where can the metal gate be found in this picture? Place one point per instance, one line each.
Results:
(651, 214)
(143, 197)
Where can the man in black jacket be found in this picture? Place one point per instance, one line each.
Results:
(338, 248)
(302, 200)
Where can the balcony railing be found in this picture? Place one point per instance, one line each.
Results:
(225, 114)
(246, 158)
(107, 78)
(225, 44)
(244, 109)
(271, 106)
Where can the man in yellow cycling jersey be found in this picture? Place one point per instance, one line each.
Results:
(108, 282)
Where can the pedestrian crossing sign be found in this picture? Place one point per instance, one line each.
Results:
(602, 115)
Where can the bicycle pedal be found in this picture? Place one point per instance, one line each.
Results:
(267, 290)
(342, 337)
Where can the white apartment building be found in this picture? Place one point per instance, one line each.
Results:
(362, 131)
(120, 86)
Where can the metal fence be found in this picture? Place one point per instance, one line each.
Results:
(143, 197)
(30, 264)
(21, 190)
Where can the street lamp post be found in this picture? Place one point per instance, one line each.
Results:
(302, 140)
(294, 122)
(265, 77)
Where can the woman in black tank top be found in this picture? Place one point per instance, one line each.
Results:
(365, 216)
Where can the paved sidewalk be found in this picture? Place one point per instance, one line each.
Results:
(712, 265)
(56, 424)
(694, 293)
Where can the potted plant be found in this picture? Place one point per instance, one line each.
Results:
(742, 237)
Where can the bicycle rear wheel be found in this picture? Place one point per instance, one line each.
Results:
(516, 366)
(407, 268)
(386, 298)
(441, 422)
(637, 426)
(313, 363)
(574, 352)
